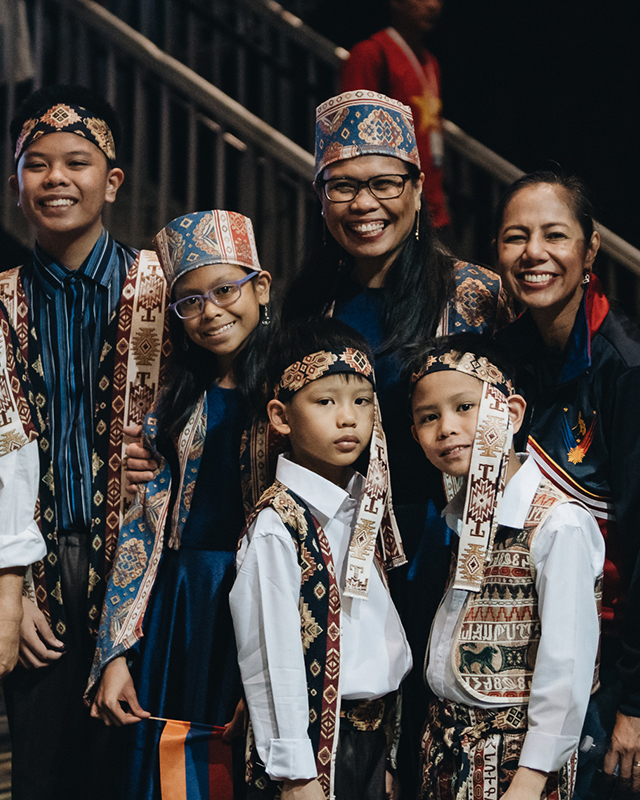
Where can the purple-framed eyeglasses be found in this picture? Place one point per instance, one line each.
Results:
(221, 295)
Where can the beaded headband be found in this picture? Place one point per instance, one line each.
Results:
(364, 123)
(206, 237)
(376, 522)
(489, 461)
(67, 118)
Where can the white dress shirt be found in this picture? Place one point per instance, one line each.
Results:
(568, 553)
(21, 542)
(374, 653)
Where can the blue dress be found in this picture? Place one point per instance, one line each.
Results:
(185, 667)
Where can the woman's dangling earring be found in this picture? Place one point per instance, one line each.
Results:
(586, 278)
(265, 318)
(417, 232)
(185, 343)
(324, 231)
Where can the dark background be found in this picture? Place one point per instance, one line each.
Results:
(541, 83)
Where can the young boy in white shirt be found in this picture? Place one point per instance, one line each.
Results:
(321, 647)
(513, 645)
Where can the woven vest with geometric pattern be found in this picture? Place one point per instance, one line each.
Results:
(497, 637)
(130, 370)
(320, 630)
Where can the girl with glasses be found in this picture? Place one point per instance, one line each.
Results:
(166, 644)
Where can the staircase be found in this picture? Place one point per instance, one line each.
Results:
(217, 102)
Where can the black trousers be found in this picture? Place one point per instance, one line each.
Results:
(58, 750)
(361, 761)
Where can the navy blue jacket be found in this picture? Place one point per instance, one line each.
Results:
(582, 426)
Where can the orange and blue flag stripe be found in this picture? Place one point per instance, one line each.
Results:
(195, 762)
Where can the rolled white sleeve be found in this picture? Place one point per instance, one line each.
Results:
(21, 542)
(264, 605)
(569, 555)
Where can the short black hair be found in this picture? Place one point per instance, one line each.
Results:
(303, 337)
(477, 343)
(65, 93)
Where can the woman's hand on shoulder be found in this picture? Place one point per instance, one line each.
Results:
(302, 790)
(140, 465)
(527, 784)
(115, 694)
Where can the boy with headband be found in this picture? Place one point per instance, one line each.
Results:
(321, 647)
(513, 645)
(89, 315)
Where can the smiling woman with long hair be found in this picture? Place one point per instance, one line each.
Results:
(374, 261)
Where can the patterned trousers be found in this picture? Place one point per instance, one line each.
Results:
(472, 754)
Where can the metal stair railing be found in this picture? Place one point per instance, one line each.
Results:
(475, 177)
(254, 50)
(185, 144)
(207, 150)
(268, 59)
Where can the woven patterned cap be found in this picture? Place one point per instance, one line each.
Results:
(364, 123)
(206, 237)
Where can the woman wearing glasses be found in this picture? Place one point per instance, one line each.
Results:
(166, 645)
(375, 262)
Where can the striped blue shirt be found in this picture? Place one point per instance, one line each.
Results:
(70, 311)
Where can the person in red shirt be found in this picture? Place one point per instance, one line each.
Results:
(395, 62)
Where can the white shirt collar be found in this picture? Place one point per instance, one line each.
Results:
(519, 493)
(516, 500)
(323, 497)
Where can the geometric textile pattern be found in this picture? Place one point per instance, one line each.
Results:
(67, 119)
(320, 630)
(474, 753)
(206, 237)
(364, 123)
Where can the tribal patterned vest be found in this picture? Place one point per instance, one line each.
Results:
(320, 630)
(131, 368)
(496, 641)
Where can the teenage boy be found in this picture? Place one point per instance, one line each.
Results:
(513, 645)
(321, 647)
(89, 316)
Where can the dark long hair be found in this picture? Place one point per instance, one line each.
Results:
(416, 288)
(193, 371)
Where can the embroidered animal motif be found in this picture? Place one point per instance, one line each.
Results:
(484, 659)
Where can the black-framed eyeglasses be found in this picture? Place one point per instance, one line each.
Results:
(221, 295)
(382, 187)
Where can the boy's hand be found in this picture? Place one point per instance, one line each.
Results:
(391, 786)
(302, 790)
(527, 784)
(140, 466)
(235, 728)
(115, 691)
(38, 645)
(625, 750)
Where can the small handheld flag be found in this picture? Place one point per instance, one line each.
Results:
(195, 762)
